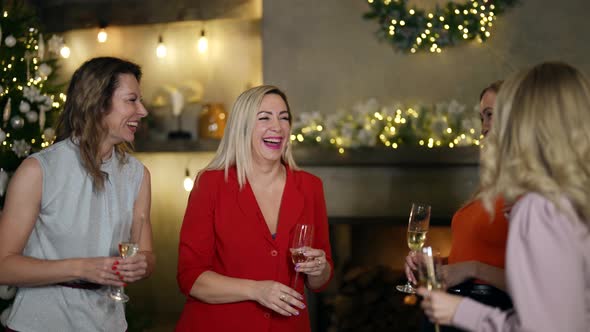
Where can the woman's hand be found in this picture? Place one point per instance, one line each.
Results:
(99, 270)
(439, 306)
(278, 297)
(132, 268)
(316, 262)
(410, 266)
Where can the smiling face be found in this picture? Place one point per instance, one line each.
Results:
(125, 112)
(271, 131)
(486, 110)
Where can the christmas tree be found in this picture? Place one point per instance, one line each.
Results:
(29, 99)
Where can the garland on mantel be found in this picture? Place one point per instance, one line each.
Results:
(370, 124)
(413, 30)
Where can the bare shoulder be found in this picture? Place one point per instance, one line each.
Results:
(28, 172)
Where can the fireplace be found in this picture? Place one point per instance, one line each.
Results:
(368, 197)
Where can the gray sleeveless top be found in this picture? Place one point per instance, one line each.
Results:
(76, 221)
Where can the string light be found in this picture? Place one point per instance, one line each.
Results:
(102, 35)
(65, 51)
(161, 49)
(188, 183)
(203, 43)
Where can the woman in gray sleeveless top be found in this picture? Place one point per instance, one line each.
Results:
(66, 207)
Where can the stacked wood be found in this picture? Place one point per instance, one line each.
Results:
(367, 301)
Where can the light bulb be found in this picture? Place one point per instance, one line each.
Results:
(203, 43)
(65, 51)
(188, 182)
(161, 49)
(102, 35)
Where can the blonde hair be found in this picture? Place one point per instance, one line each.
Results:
(235, 148)
(540, 139)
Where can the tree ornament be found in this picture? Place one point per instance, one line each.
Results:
(54, 44)
(4, 315)
(24, 107)
(32, 116)
(42, 117)
(2, 136)
(6, 113)
(6, 292)
(41, 47)
(21, 148)
(49, 134)
(44, 70)
(17, 122)
(10, 41)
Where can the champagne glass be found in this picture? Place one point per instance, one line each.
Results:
(417, 227)
(302, 240)
(430, 271)
(128, 246)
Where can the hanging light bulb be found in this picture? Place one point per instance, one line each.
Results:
(65, 51)
(102, 35)
(161, 49)
(188, 182)
(203, 43)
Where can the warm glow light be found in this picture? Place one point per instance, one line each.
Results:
(203, 43)
(65, 51)
(188, 182)
(102, 35)
(161, 49)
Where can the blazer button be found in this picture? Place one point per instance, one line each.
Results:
(274, 252)
(266, 315)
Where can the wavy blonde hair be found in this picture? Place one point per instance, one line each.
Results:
(540, 139)
(235, 148)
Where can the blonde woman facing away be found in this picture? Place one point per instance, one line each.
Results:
(537, 156)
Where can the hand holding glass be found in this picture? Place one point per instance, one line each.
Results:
(417, 228)
(302, 240)
(430, 271)
(129, 237)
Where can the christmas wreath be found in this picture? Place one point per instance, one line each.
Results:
(413, 30)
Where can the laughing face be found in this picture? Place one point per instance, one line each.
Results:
(271, 130)
(126, 111)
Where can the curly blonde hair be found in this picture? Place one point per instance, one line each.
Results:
(540, 139)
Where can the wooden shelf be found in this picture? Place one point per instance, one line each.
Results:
(328, 157)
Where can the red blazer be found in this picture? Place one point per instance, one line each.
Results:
(224, 231)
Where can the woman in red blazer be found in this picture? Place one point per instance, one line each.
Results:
(234, 264)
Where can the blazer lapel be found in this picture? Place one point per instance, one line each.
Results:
(292, 205)
(249, 206)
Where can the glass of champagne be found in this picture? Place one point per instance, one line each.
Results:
(417, 228)
(302, 240)
(430, 271)
(128, 246)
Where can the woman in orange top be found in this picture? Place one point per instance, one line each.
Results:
(475, 266)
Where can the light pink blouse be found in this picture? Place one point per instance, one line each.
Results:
(547, 271)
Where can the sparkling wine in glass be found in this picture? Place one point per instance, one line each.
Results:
(417, 228)
(128, 247)
(302, 240)
(430, 271)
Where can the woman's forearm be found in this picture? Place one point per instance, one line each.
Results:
(214, 288)
(18, 270)
(491, 274)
